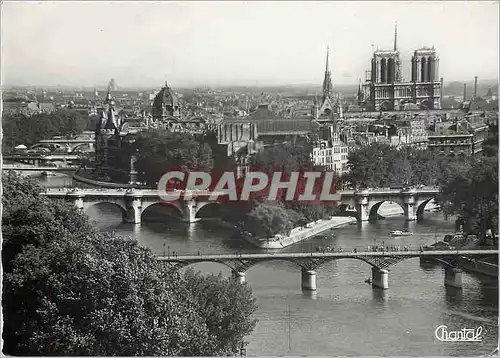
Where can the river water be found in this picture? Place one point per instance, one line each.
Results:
(345, 316)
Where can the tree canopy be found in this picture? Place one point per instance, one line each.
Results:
(265, 218)
(472, 194)
(159, 151)
(380, 165)
(20, 129)
(68, 290)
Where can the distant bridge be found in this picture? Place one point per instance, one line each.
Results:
(64, 143)
(134, 202)
(39, 159)
(28, 168)
(309, 262)
(368, 201)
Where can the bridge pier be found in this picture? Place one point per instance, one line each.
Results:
(189, 212)
(380, 278)
(133, 203)
(308, 280)
(239, 277)
(77, 200)
(409, 210)
(453, 277)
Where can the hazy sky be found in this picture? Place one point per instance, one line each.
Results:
(221, 43)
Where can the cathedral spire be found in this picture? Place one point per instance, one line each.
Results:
(396, 36)
(327, 81)
(327, 55)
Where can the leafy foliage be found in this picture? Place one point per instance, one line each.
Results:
(265, 219)
(160, 151)
(472, 194)
(226, 309)
(20, 129)
(68, 290)
(379, 165)
(269, 219)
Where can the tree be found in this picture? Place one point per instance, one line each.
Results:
(490, 145)
(368, 165)
(287, 158)
(268, 219)
(21, 129)
(227, 314)
(400, 171)
(68, 290)
(473, 196)
(160, 151)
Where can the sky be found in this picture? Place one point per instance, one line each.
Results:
(238, 43)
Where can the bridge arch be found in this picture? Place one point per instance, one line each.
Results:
(46, 145)
(204, 206)
(221, 262)
(373, 210)
(89, 204)
(235, 264)
(74, 148)
(390, 260)
(173, 205)
(421, 209)
(425, 104)
(385, 106)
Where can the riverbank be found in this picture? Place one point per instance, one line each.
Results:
(299, 233)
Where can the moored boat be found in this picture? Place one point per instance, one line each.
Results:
(396, 233)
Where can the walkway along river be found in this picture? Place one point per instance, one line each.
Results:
(345, 316)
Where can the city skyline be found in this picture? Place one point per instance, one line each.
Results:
(237, 44)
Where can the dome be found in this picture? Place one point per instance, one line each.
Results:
(166, 103)
(167, 96)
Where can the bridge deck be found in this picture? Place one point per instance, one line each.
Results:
(58, 141)
(38, 169)
(59, 192)
(154, 192)
(415, 253)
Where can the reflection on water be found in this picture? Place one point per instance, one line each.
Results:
(453, 295)
(313, 295)
(345, 316)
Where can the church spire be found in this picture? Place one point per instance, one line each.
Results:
(327, 82)
(327, 55)
(396, 36)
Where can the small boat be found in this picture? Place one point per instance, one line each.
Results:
(396, 233)
(368, 280)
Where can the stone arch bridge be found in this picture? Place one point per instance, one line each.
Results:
(368, 201)
(310, 262)
(65, 143)
(133, 203)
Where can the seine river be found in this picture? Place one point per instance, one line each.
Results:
(345, 316)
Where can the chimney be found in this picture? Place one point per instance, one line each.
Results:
(475, 86)
(465, 91)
